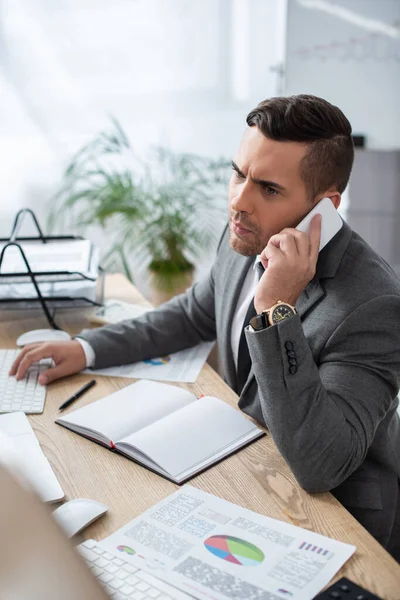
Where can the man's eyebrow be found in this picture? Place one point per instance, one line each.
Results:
(238, 171)
(264, 183)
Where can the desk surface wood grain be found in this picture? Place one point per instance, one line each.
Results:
(256, 477)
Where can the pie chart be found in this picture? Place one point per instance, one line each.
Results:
(163, 360)
(234, 550)
(126, 549)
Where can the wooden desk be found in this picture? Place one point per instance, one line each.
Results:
(256, 477)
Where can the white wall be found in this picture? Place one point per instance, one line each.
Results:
(348, 51)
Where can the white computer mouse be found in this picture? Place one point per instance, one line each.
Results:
(75, 515)
(42, 335)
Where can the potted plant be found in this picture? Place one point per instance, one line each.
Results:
(167, 210)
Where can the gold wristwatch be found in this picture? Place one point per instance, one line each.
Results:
(276, 314)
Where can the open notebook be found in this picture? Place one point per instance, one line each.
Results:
(164, 428)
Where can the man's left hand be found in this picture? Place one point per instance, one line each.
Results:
(289, 259)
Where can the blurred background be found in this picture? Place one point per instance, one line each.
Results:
(181, 76)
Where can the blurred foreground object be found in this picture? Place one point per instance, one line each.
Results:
(36, 560)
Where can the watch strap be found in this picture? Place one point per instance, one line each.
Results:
(260, 321)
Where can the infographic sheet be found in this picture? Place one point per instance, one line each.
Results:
(214, 550)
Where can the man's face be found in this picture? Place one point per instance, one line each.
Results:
(266, 192)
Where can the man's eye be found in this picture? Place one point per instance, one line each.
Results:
(270, 190)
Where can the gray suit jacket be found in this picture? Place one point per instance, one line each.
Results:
(334, 420)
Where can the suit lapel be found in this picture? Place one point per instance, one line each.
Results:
(311, 294)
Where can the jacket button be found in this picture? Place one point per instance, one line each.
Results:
(292, 369)
(289, 345)
(292, 361)
(291, 353)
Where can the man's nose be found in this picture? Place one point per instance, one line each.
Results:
(241, 199)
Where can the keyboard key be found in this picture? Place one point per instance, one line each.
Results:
(88, 544)
(130, 568)
(107, 555)
(126, 589)
(142, 586)
(88, 555)
(105, 577)
(116, 583)
(122, 574)
(111, 568)
(101, 562)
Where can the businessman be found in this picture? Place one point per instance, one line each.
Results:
(310, 342)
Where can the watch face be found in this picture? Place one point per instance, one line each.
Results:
(282, 312)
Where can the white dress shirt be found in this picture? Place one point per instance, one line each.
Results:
(89, 352)
(245, 297)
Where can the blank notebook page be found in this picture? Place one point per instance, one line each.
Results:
(197, 432)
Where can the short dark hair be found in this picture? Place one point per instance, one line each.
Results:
(313, 121)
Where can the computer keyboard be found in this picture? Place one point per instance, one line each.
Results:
(121, 580)
(25, 395)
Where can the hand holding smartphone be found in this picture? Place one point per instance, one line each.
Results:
(286, 277)
(331, 222)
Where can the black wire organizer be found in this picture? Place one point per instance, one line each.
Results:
(48, 303)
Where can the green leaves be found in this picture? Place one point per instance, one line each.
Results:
(167, 211)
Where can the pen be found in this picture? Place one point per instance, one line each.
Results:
(77, 394)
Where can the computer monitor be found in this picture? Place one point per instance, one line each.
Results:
(37, 562)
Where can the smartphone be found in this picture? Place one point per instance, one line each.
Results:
(331, 221)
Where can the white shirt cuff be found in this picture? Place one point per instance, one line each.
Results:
(89, 352)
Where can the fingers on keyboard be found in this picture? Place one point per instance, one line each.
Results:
(25, 394)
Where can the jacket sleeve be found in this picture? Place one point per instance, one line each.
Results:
(323, 417)
(184, 321)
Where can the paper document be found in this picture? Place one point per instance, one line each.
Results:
(183, 366)
(73, 255)
(26, 458)
(215, 550)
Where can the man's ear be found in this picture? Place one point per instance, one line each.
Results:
(334, 196)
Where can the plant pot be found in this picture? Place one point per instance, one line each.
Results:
(177, 284)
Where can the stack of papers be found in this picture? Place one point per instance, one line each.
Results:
(77, 257)
(73, 255)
